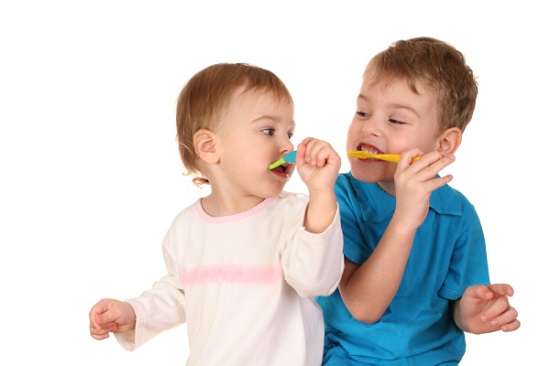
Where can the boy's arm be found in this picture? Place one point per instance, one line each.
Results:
(368, 289)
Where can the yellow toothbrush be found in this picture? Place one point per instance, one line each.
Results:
(394, 158)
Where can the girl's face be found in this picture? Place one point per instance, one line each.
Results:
(255, 131)
(391, 118)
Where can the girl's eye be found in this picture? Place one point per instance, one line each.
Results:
(269, 131)
(290, 134)
(361, 114)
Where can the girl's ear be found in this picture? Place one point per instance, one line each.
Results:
(205, 146)
(450, 140)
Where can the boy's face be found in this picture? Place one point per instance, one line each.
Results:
(255, 131)
(391, 118)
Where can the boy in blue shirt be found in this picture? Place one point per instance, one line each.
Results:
(416, 275)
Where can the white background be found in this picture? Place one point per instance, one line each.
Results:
(90, 178)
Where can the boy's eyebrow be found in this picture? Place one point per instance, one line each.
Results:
(392, 105)
(401, 106)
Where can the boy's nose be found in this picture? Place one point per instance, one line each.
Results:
(372, 126)
(370, 129)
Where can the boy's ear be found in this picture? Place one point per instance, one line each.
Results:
(204, 141)
(450, 140)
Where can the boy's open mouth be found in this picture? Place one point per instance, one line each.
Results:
(369, 148)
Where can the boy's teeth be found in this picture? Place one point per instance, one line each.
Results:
(369, 151)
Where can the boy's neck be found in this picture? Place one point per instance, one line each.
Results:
(388, 187)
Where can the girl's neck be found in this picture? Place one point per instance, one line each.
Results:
(217, 205)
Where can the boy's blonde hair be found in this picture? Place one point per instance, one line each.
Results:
(438, 64)
(205, 96)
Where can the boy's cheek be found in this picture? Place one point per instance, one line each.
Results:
(354, 134)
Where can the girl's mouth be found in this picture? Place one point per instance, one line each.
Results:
(283, 169)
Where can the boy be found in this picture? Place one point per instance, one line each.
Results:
(416, 275)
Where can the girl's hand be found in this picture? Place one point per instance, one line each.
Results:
(110, 315)
(318, 164)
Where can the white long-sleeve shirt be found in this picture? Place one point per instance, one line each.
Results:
(245, 285)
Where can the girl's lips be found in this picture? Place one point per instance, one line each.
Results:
(284, 170)
(281, 168)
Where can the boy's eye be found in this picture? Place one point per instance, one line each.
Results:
(290, 134)
(361, 114)
(269, 131)
(392, 120)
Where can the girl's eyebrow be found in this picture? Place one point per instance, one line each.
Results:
(264, 117)
(274, 119)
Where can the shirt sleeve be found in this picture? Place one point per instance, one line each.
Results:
(313, 263)
(469, 259)
(159, 308)
(355, 245)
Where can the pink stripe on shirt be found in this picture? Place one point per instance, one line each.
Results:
(236, 274)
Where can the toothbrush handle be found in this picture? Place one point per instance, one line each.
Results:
(288, 158)
(394, 158)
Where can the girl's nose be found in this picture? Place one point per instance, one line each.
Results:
(287, 147)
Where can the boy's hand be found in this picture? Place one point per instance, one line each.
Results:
(486, 309)
(110, 315)
(318, 164)
(415, 182)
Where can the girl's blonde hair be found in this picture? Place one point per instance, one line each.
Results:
(441, 66)
(206, 95)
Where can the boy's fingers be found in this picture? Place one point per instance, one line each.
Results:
(480, 292)
(502, 289)
(499, 306)
(511, 326)
(506, 318)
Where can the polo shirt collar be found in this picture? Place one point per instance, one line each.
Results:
(377, 205)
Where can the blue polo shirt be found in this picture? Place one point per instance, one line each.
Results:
(447, 256)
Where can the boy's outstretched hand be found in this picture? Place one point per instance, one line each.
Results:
(110, 315)
(486, 309)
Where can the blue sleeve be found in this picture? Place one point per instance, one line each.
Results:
(469, 259)
(355, 248)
